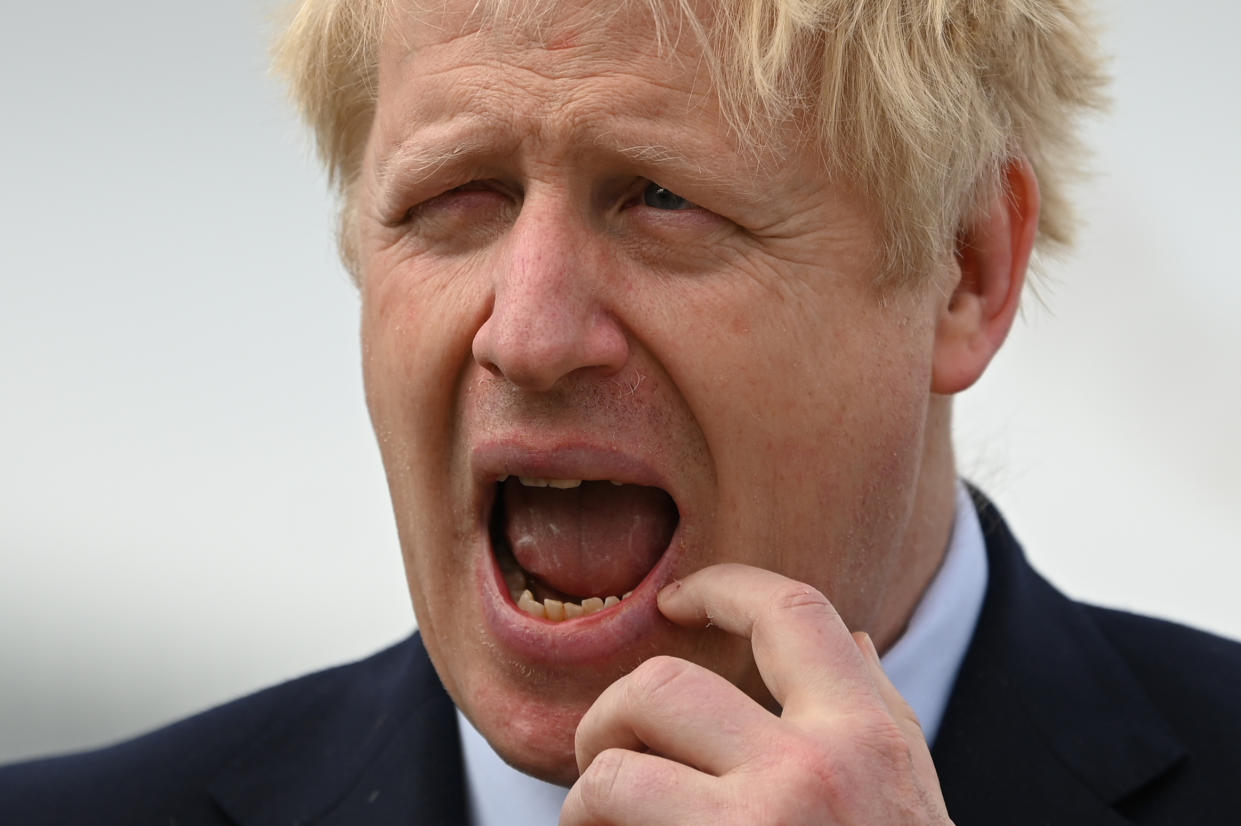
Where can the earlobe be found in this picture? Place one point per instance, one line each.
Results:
(990, 267)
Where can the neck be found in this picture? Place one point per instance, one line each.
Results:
(928, 530)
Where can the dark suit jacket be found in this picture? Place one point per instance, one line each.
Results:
(1062, 714)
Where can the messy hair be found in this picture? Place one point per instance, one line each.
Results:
(919, 104)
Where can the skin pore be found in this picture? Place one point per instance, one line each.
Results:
(566, 258)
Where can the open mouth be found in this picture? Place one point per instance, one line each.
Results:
(568, 548)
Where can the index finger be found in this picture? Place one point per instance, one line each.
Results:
(804, 653)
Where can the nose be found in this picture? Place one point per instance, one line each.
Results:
(550, 316)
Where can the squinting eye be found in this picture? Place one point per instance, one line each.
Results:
(659, 198)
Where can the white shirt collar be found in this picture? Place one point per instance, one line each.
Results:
(922, 665)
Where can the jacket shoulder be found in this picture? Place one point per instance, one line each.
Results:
(1068, 713)
(163, 776)
(1194, 679)
(1175, 662)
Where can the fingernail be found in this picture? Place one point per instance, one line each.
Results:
(669, 590)
(870, 645)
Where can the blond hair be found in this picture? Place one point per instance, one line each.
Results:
(920, 104)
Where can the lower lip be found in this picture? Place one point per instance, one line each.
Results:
(593, 639)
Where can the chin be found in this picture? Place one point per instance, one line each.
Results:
(531, 736)
(529, 716)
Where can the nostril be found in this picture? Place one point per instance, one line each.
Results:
(491, 368)
(535, 335)
(484, 349)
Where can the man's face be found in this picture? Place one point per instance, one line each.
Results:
(572, 271)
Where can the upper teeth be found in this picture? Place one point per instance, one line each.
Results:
(563, 484)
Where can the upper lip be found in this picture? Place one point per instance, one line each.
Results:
(494, 460)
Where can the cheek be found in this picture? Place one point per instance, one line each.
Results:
(781, 373)
(418, 324)
(416, 337)
(814, 412)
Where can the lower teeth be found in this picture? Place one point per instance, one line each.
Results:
(556, 611)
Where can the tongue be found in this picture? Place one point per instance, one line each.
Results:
(596, 540)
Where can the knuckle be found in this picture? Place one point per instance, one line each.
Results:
(864, 752)
(805, 778)
(800, 598)
(816, 766)
(599, 784)
(882, 743)
(657, 677)
(832, 779)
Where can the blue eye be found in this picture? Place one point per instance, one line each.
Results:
(657, 197)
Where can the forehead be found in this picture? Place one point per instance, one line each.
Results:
(547, 53)
(434, 20)
(557, 39)
(460, 81)
(554, 24)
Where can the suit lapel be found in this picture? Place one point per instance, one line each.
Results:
(1046, 723)
(378, 746)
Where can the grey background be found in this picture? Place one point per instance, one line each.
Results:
(191, 504)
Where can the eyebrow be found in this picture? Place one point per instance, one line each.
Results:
(728, 181)
(417, 159)
(655, 155)
(421, 156)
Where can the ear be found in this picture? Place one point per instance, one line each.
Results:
(990, 268)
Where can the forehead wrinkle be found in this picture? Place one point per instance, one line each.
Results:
(437, 144)
(481, 120)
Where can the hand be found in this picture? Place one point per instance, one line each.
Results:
(674, 743)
